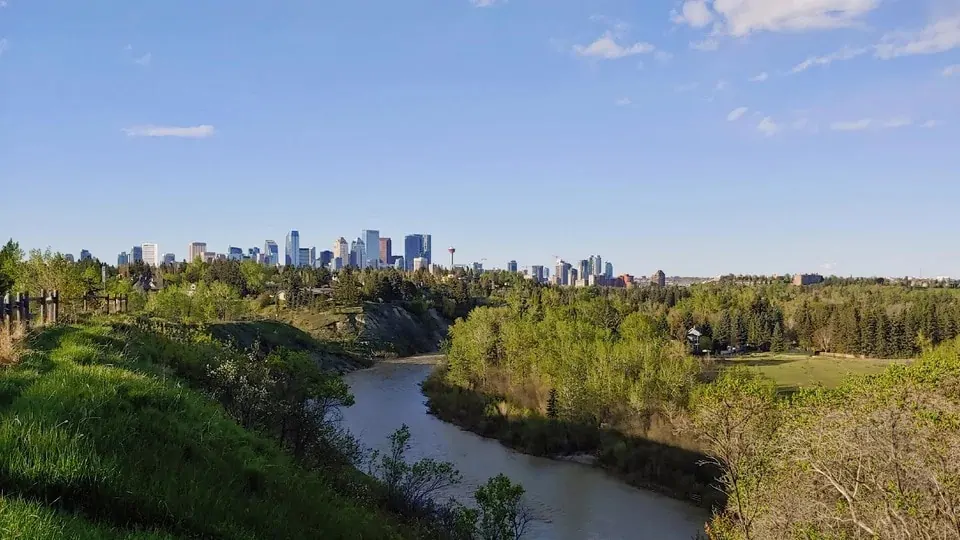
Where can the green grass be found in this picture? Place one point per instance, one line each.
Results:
(792, 371)
(96, 441)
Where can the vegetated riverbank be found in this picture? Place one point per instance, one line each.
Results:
(117, 429)
(641, 462)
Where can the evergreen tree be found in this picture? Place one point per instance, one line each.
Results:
(721, 331)
(777, 341)
(552, 411)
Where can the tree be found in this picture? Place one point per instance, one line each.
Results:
(502, 515)
(777, 342)
(254, 276)
(10, 257)
(346, 289)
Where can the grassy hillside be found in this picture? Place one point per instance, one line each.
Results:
(795, 371)
(98, 440)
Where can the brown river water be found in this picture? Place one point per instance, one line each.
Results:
(569, 501)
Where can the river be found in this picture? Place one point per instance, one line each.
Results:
(568, 501)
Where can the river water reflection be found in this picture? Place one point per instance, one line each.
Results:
(568, 500)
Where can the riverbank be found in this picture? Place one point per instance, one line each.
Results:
(643, 463)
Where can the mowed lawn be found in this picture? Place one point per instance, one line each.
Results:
(793, 370)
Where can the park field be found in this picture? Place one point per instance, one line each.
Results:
(793, 371)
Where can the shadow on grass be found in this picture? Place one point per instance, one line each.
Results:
(761, 362)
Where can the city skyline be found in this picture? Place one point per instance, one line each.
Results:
(780, 135)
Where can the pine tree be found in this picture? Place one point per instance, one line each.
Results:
(721, 332)
(552, 411)
(777, 342)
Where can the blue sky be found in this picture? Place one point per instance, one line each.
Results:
(700, 137)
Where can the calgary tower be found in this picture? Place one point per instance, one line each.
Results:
(452, 250)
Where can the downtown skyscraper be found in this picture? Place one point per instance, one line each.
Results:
(292, 252)
(417, 246)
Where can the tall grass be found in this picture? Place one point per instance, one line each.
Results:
(99, 439)
(11, 344)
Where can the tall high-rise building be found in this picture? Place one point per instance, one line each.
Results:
(420, 263)
(583, 269)
(292, 253)
(254, 254)
(195, 249)
(536, 271)
(478, 267)
(399, 263)
(427, 253)
(123, 258)
(85, 255)
(341, 250)
(608, 271)
(68, 257)
(358, 253)
(303, 258)
(371, 240)
(659, 279)
(151, 254)
(234, 254)
(326, 257)
(136, 254)
(313, 257)
(597, 266)
(512, 267)
(412, 248)
(386, 251)
(563, 272)
(169, 258)
(572, 276)
(271, 253)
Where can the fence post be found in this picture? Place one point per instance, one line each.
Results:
(56, 306)
(43, 307)
(6, 312)
(126, 297)
(26, 312)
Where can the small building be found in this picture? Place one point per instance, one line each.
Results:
(807, 279)
(693, 337)
(659, 279)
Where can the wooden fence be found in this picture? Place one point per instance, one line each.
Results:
(23, 311)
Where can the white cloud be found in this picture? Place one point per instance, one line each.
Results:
(606, 47)
(768, 127)
(191, 132)
(706, 45)
(3, 46)
(940, 36)
(487, 3)
(930, 124)
(736, 114)
(687, 87)
(898, 122)
(854, 125)
(695, 13)
(721, 85)
(950, 71)
(742, 17)
(828, 266)
(760, 78)
(143, 60)
(846, 53)
(663, 56)
(623, 102)
(800, 124)
(3, 3)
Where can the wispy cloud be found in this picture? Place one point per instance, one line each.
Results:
(3, 46)
(950, 71)
(3, 3)
(898, 122)
(853, 125)
(143, 60)
(607, 48)
(687, 87)
(662, 56)
(623, 102)
(846, 53)
(743, 17)
(487, 3)
(760, 78)
(939, 36)
(189, 132)
(930, 124)
(736, 114)
(768, 127)
(828, 266)
(706, 45)
(721, 85)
